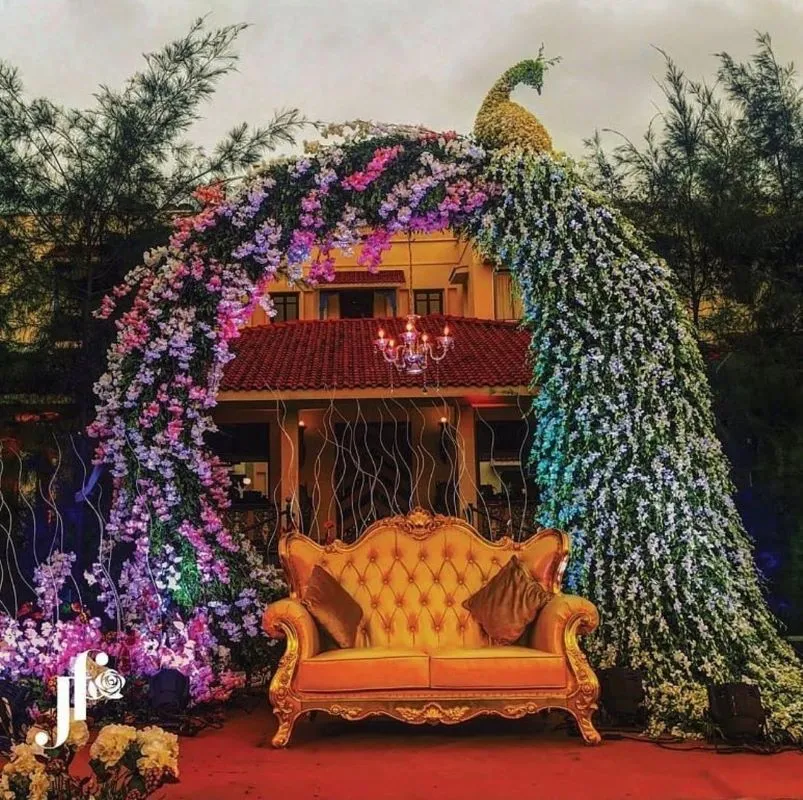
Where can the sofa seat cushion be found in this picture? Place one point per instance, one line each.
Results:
(503, 667)
(364, 668)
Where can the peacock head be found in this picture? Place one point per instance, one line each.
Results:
(503, 123)
(531, 72)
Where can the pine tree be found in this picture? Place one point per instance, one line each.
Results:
(83, 192)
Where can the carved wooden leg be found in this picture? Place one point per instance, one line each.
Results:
(285, 729)
(283, 698)
(583, 711)
(583, 702)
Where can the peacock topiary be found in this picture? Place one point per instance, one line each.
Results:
(503, 123)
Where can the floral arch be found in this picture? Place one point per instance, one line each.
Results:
(625, 450)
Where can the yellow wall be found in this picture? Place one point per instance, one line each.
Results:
(434, 257)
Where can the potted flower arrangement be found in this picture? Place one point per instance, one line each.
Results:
(127, 764)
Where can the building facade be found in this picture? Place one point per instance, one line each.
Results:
(321, 432)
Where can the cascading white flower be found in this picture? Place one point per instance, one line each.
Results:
(626, 456)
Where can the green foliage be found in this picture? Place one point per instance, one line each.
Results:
(717, 186)
(771, 104)
(83, 192)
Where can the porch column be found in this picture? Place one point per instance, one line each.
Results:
(467, 458)
(308, 307)
(274, 460)
(288, 438)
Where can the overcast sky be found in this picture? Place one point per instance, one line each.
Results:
(421, 61)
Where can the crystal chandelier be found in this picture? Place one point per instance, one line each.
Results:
(413, 355)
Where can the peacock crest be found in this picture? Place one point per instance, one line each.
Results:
(503, 123)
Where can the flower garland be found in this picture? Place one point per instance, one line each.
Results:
(173, 343)
(624, 448)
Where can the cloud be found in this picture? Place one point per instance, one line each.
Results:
(427, 61)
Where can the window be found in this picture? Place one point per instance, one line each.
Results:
(385, 303)
(507, 303)
(508, 491)
(428, 301)
(503, 449)
(286, 305)
(245, 448)
(357, 304)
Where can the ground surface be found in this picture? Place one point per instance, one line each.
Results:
(488, 758)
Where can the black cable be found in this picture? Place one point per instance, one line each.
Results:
(720, 746)
(717, 743)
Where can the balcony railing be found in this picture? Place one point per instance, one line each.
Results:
(262, 523)
(259, 523)
(495, 518)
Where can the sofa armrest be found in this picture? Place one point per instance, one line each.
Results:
(564, 616)
(287, 617)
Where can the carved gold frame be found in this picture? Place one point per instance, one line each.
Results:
(420, 524)
(436, 706)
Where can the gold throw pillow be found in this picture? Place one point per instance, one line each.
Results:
(333, 607)
(508, 603)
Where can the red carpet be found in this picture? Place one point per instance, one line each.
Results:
(490, 759)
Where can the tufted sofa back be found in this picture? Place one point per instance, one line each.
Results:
(411, 574)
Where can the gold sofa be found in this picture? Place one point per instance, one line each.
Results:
(420, 657)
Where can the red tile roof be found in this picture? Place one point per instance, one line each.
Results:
(352, 276)
(339, 354)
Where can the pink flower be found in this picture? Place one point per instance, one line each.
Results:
(383, 156)
(322, 270)
(375, 244)
(107, 306)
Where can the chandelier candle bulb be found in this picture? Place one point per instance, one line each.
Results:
(413, 355)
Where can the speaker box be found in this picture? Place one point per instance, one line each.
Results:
(736, 710)
(168, 691)
(622, 695)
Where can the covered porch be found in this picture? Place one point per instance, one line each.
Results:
(331, 443)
